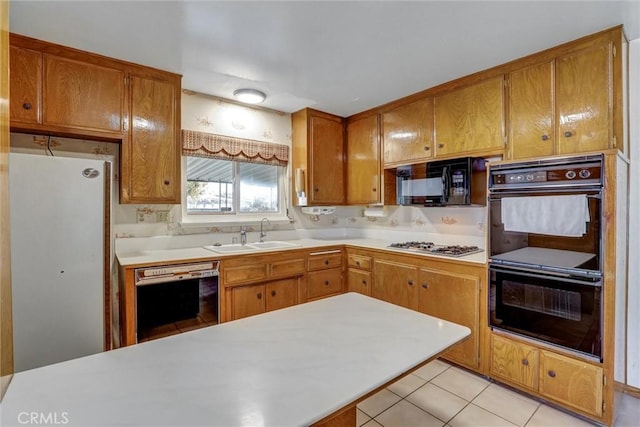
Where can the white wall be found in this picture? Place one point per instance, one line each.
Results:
(633, 296)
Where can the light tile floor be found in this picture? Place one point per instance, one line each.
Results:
(439, 394)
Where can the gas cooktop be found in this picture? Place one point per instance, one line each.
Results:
(432, 248)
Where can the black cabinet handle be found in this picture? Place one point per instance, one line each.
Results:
(26, 106)
(326, 283)
(425, 285)
(525, 362)
(259, 295)
(273, 293)
(358, 263)
(545, 137)
(410, 283)
(427, 148)
(440, 145)
(568, 133)
(552, 373)
(364, 282)
(326, 262)
(167, 182)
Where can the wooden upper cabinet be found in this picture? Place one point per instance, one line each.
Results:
(531, 119)
(82, 95)
(25, 98)
(151, 153)
(407, 133)
(584, 99)
(363, 161)
(318, 149)
(470, 119)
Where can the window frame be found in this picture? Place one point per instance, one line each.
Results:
(236, 216)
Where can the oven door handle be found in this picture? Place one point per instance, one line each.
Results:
(595, 284)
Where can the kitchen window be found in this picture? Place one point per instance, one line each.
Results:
(217, 186)
(233, 178)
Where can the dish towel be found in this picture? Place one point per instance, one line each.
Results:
(553, 215)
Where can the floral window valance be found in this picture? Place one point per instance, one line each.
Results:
(202, 144)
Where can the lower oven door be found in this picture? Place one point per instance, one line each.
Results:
(564, 311)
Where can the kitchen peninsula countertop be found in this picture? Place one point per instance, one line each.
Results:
(290, 367)
(159, 256)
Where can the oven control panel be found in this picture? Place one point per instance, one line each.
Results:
(556, 174)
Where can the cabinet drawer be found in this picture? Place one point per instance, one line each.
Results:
(287, 268)
(571, 382)
(325, 260)
(515, 362)
(359, 261)
(324, 283)
(245, 273)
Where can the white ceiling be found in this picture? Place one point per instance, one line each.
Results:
(339, 57)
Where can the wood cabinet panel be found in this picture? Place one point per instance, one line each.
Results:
(362, 262)
(324, 283)
(470, 119)
(531, 107)
(82, 95)
(244, 273)
(407, 133)
(455, 298)
(326, 164)
(151, 155)
(287, 267)
(359, 281)
(396, 283)
(247, 301)
(584, 100)
(25, 99)
(327, 260)
(572, 382)
(363, 161)
(515, 362)
(281, 294)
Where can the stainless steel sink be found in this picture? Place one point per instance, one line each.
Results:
(238, 248)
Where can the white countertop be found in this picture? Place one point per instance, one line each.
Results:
(289, 367)
(157, 256)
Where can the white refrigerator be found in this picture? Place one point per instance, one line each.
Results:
(58, 211)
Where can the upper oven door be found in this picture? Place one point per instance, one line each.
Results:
(556, 231)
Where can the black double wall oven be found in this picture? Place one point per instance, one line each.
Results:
(545, 244)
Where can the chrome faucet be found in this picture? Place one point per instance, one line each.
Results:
(243, 235)
(263, 234)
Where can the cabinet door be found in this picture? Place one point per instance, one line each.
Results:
(281, 294)
(396, 283)
(326, 162)
(407, 133)
(454, 298)
(515, 362)
(359, 281)
(363, 161)
(151, 154)
(531, 124)
(470, 119)
(571, 382)
(584, 100)
(324, 283)
(26, 85)
(247, 301)
(82, 95)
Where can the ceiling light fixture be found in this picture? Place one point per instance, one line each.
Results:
(249, 96)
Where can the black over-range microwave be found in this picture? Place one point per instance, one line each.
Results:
(452, 182)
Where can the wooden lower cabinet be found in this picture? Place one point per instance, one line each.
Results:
(570, 382)
(396, 283)
(324, 283)
(256, 299)
(456, 298)
(359, 281)
(514, 362)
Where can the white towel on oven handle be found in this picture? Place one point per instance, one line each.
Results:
(553, 215)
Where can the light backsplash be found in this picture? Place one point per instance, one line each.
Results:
(210, 114)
